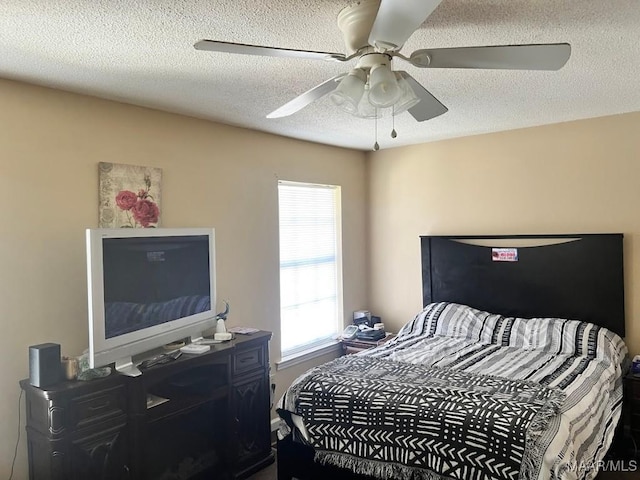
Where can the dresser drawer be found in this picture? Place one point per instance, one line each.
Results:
(97, 407)
(249, 359)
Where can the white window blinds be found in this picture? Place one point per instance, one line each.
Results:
(310, 265)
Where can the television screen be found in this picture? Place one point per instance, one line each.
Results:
(149, 281)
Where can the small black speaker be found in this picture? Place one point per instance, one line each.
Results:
(44, 364)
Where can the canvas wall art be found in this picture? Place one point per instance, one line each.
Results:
(130, 196)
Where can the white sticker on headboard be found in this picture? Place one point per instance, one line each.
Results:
(504, 254)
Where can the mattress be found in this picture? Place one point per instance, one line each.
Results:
(582, 361)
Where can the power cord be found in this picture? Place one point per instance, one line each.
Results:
(15, 452)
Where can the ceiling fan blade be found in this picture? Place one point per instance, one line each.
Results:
(307, 97)
(243, 49)
(429, 106)
(551, 56)
(397, 20)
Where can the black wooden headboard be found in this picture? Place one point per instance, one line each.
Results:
(578, 277)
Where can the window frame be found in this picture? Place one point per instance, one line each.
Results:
(305, 351)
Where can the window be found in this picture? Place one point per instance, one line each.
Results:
(310, 265)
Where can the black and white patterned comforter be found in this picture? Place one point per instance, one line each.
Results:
(577, 362)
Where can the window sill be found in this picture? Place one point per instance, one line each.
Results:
(300, 357)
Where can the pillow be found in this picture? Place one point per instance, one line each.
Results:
(424, 323)
(553, 335)
(448, 319)
(570, 337)
(461, 321)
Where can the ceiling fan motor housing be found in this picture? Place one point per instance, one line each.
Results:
(370, 60)
(355, 22)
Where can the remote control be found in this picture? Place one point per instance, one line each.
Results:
(195, 349)
(160, 359)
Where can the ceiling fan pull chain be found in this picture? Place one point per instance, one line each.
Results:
(376, 147)
(394, 134)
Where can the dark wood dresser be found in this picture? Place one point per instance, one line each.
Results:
(201, 416)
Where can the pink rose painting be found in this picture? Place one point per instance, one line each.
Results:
(120, 205)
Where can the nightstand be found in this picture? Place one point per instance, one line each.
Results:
(631, 409)
(354, 346)
(627, 436)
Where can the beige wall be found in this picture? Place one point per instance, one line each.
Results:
(214, 175)
(568, 178)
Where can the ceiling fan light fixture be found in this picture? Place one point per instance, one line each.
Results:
(349, 91)
(365, 109)
(383, 87)
(408, 97)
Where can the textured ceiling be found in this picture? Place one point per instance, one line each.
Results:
(141, 52)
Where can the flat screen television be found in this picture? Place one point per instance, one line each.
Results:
(147, 288)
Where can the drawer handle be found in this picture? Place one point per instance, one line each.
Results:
(93, 408)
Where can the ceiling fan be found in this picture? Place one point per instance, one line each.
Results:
(374, 32)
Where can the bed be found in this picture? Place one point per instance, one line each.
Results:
(513, 369)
